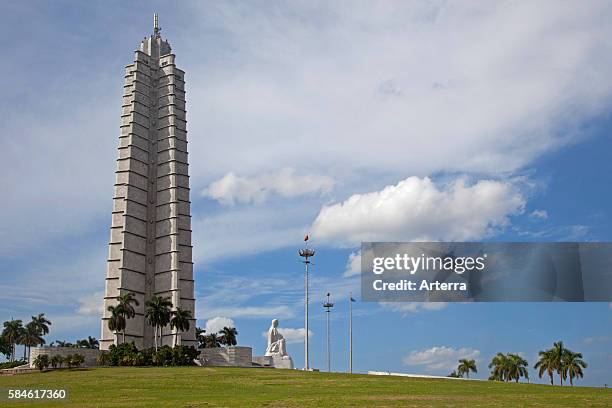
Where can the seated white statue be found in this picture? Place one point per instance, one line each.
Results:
(276, 342)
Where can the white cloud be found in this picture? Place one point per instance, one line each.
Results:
(284, 182)
(251, 311)
(417, 209)
(91, 305)
(291, 335)
(353, 264)
(539, 214)
(216, 324)
(496, 85)
(413, 307)
(439, 358)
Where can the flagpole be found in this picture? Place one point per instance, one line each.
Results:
(351, 332)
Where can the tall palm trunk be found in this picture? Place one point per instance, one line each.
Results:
(561, 378)
(123, 336)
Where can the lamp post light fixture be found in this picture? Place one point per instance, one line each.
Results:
(306, 253)
(328, 305)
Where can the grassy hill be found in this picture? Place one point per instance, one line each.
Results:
(236, 387)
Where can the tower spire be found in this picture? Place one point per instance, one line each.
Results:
(155, 24)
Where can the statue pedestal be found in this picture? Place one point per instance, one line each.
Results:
(273, 362)
(282, 362)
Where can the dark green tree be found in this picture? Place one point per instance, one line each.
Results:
(201, 337)
(158, 315)
(465, 366)
(12, 333)
(126, 303)
(228, 336)
(179, 322)
(572, 365)
(116, 321)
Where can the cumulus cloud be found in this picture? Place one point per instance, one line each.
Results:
(291, 335)
(215, 324)
(539, 214)
(284, 182)
(413, 307)
(439, 358)
(353, 264)
(417, 209)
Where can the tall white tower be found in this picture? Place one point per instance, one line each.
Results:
(150, 250)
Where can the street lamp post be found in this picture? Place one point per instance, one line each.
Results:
(351, 300)
(306, 253)
(328, 305)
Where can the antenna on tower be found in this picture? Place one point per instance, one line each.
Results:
(156, 28)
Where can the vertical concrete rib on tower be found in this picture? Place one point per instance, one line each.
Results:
(150, 250)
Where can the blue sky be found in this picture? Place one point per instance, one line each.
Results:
(349, 121)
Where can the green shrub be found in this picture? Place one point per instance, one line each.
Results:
(56, 361)
(184, 355)
(163, 356)
(116, 354)
(77, 359)
(41, 361)
(12, 364)
(127, 354)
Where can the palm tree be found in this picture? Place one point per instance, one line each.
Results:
(546, 363)
(116, 321)
(557, 353)
(157, 313)
(92, 343)
(517, 367)
(500, 367)
(200, 337)
(465, 366)
(573, 365)
(228, 336)
(5, 347)
(42, 323)
(12, 333)
(125, 302)
(179, 322)
(31, 337)
(212, 341)
(89, 343)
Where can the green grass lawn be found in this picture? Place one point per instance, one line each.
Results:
(243, 387)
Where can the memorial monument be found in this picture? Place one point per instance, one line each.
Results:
(150, 250)
(276, 351)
